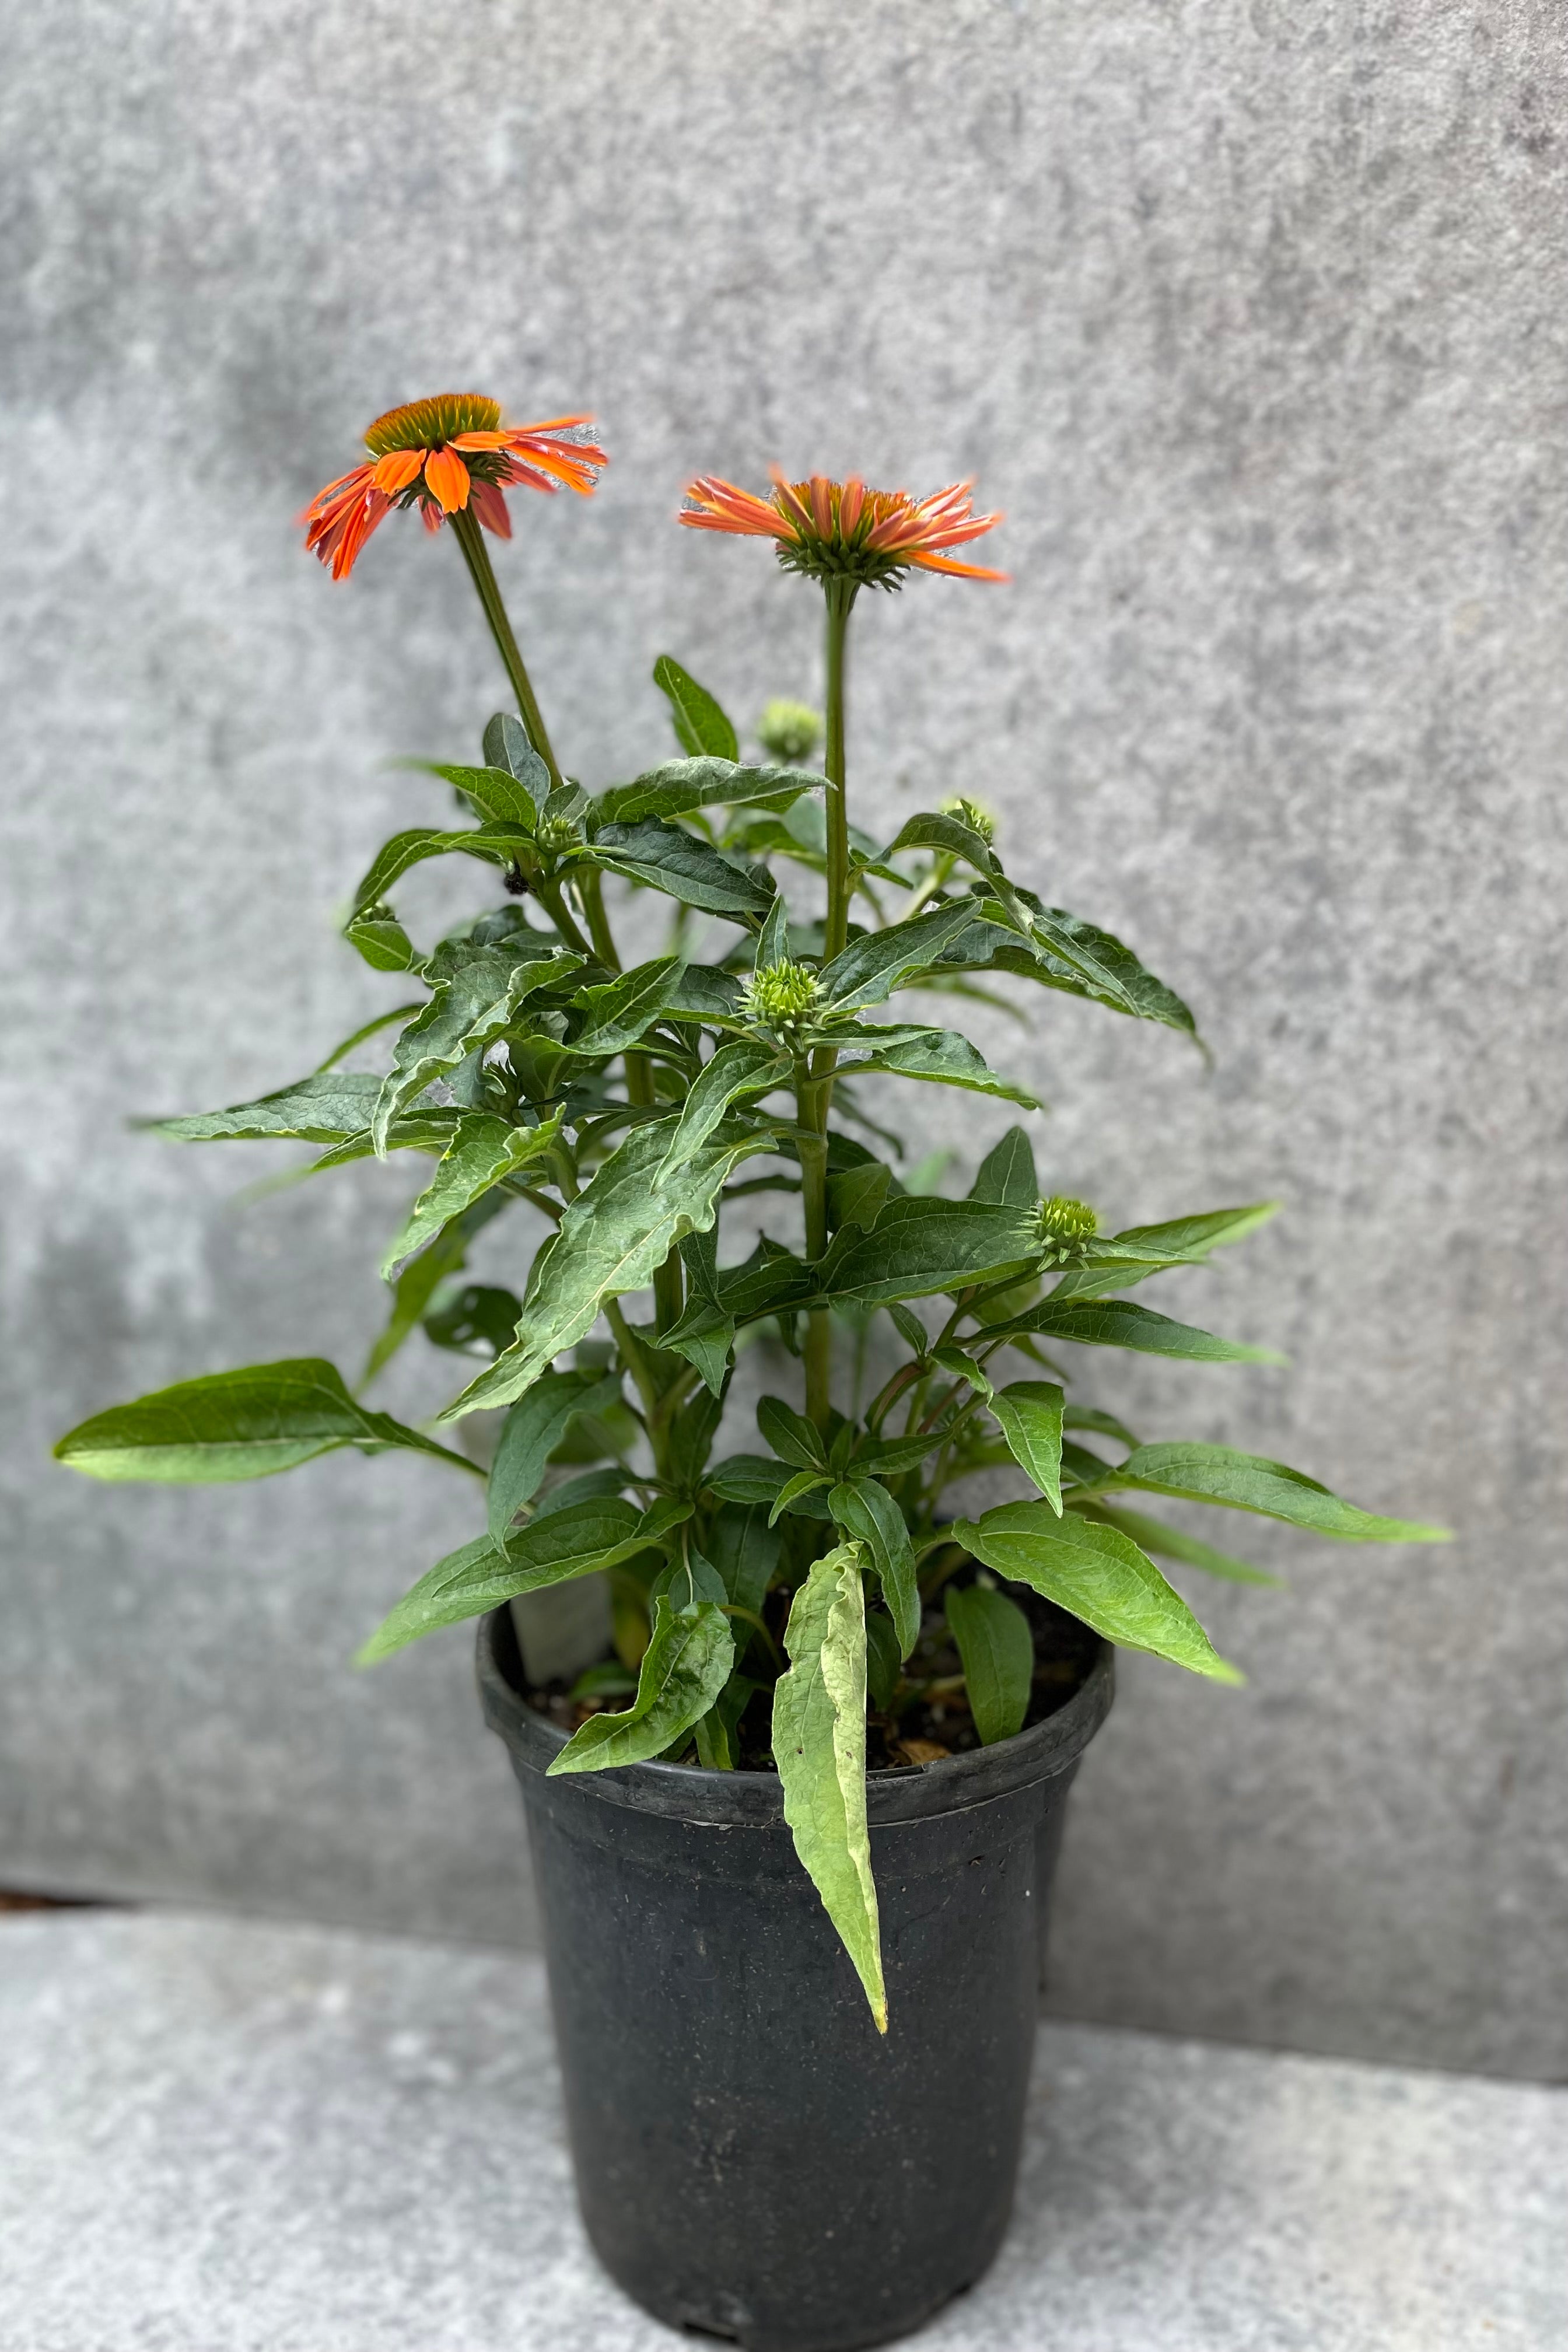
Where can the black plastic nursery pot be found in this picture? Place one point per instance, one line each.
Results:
(754, 2161)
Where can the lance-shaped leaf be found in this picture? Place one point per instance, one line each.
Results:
(676, 862)
(383, 943)
(930, 830)
(744, 1066)
(939, 1057)
(863, 1508)
(918, 1248)
(753, 1479)
(496, 844)
(1006, 1174)
(465, 1013)
(996, 1649)
(429, 1128)
(615, 1016)
(869, 969)
(1247, 1482)
(1120, 1260)
(506, 745)
(240, 1425)
(612, 1237)
(1030, 1415)
(556, 1547)
(496, 792)
(420, 1279)
(483, 1151)
(1097, 1574)
(530, 1435)
(1097, 965)
(796, 1489)
(705, 993)
(1118, 1323)
(680, 786)
(819, 1748)
(746, 1552)
(701, 725)
(1175, 1543)
(325, 1109)
(685, 1666)
(791, 1437)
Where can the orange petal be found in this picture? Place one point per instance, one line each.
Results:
(822, 505)
(449, 478)
(958, 570)
(397, 469)
(477, 441)
(491, 508)
(851, 502)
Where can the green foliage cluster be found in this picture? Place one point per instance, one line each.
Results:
(629, 1107)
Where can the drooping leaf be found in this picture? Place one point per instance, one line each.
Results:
(863, 1508)
(1030, 1415)
(1097, 1574)
(996, 1648)
(1006, 1174)
(465, 1013)
(612, 1238)
(483, 1151)
(325, 1109)
(676, 862)
(819, 1748)
(241, 1425)
(1175, 1543)
(918, 1248)
(744, 1066)
(869, 969)
(618, 1015)
(497, 845)
(701, 725)
(530, 1435)
(1119, 1323)
(685, 1666)
(941, 1057)
(1247, 1482)
(555, 1548)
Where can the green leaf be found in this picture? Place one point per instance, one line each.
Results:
(918, 1248)
(929, 831)
(553, 1548)
(863, 1508)
(753, 1480)
(1211, 1229)
(746, 1552)
(1175, 1543)
(612, 1238)
(685, 1666)
(1062, 951)
(1118, 1323)
(1116, 1263)
(239, 1424)
(1030, 1414)
(744, 1066)
(794, 1489)
(869, 969)
(421, 1279)
(819, 1748)
(686, 868)
(429, 1128)
(1006, 1174)
(483, 1151)
(1097, 1574)
(717, 1748)
(465, 1013)
(1247, 1482)
(941, 1057)
(506, 746)
(680, 786)
(883, 1662)
(326, 1109)
(495, 793)
(996, 1647)
(482, 1312)
(530, 1435)
(1089, 1416)
(700, 723)
(856, 1196)
(383, 943)
(495, 843)
(619, 1014)
(963, 1366)
(791, 1437)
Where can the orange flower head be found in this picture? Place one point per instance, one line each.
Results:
(842, 530)
(448, 455)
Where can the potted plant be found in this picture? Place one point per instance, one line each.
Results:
(796, 1755)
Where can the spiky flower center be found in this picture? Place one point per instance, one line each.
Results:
(977, 819)
(431, 424)
(779, 995)
(832, 525)
(1065, 1226)
(790, 731)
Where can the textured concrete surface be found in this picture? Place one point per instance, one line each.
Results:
(1249, 316)
(216, 2137)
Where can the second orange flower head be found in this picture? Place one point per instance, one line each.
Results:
(447, 455)
(842, 530)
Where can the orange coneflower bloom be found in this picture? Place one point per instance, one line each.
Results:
(445, 455)
(843, 530)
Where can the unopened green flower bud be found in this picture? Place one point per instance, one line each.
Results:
(977, 819)
(790, 731)
(1065, 1226)
(556, 833)
(780, 995)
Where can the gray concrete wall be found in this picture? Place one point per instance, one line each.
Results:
(1250, 316)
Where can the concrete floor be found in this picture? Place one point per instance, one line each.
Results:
(218, 2136)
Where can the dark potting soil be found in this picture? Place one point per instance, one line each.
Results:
(933, 1722)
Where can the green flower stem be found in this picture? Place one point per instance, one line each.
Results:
(550, 896)
(815, 1096)
(811, 1143)
(840, 597)
(476, 555)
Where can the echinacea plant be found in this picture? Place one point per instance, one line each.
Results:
(766, 1607)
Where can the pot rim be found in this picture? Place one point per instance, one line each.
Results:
(688, 1793)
